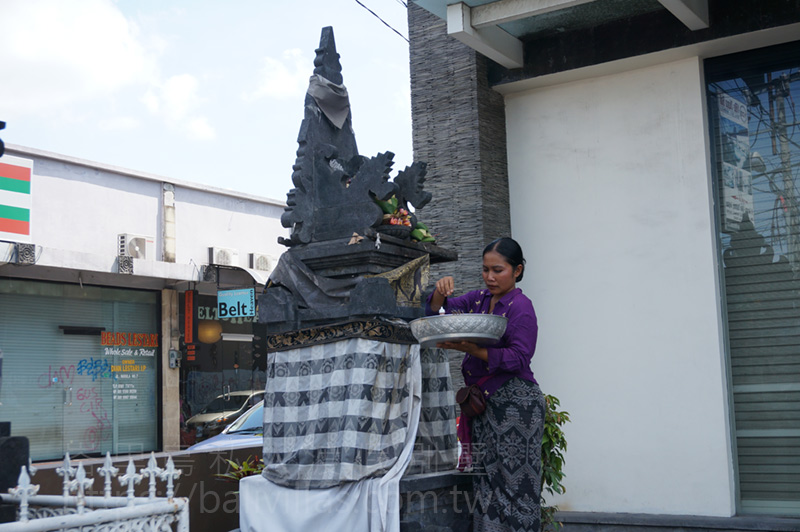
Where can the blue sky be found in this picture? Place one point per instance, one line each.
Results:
(196, 90)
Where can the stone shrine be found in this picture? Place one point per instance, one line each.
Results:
(352, 404)
(339, 242)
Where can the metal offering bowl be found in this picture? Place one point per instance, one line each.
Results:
(480, 329)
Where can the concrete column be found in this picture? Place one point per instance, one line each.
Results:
(170, 378)
(168, 221)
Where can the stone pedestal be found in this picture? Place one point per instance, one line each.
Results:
(325, 283)
(339, 258)
(436, 444)
(436, 502)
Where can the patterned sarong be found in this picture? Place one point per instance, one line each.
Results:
(507, 449)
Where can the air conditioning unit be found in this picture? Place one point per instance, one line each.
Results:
(136, 246)
(223, 256)
(261, 261)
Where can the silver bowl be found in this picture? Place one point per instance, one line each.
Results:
(481, 329)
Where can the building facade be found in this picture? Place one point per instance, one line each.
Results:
(645, 155)
(102, 349)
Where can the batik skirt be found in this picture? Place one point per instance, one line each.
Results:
(507, 443)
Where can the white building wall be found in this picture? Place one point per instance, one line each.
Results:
(611, 201)
(83, 209)
(228, 222)
(80, 207)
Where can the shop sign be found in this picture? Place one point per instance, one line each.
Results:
(210, 313)
(125, 372)
(128, 344)
(190, 323)
(15, 198)
(236, 303)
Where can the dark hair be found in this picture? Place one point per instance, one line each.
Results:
(510, 250)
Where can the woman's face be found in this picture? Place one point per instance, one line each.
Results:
(498, 275)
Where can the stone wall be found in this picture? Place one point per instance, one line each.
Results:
(459, 130)
(458, 125)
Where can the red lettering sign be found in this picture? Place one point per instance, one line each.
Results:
(189, 316)
(121, 339)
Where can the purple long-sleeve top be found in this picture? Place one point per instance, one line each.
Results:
(511, 356)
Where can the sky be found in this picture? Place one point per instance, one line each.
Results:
(203, 91)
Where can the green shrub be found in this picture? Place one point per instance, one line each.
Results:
(554, 445)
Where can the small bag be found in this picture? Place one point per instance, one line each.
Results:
(471, 400)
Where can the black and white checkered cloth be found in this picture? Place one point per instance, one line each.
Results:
(436, 447)
(337, 412)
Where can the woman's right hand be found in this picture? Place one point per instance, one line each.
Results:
(445, 286)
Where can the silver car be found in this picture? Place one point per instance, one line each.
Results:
(222, 411)
(247, 431)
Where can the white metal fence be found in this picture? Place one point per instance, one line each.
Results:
(82, 513)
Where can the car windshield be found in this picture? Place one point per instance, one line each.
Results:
(220, 404)
(251, 421)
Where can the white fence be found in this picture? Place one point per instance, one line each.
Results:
(82, 513)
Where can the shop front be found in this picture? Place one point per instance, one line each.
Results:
(90, 313)
(223, 367)
(81, 367)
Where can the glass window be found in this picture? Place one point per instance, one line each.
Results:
(80, 368)
(755, 128)
(227, 360)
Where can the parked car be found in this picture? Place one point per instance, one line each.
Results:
(247, 431)
(222, 411)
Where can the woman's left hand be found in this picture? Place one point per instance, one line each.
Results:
(466, 347)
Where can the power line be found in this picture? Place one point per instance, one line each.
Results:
(386, 23)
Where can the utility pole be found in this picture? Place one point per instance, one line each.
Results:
(778, 90)
(791, 211)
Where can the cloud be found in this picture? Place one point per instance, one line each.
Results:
(151, 101)
(56, 53)
(199, 129)
(179, 97)
(176, 101)
(281, 78)
(118, 123)
(59, 56)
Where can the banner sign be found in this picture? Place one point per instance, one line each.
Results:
(236, 303)
(737, 181)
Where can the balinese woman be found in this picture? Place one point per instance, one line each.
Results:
(505, 441)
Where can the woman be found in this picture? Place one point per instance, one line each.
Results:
(507, 438)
